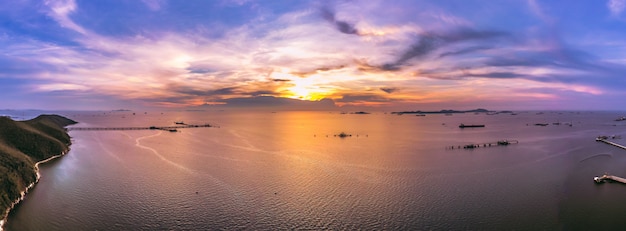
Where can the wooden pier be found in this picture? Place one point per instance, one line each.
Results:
(484, 145)
(603, 139)
(609, 178)
(167, 128)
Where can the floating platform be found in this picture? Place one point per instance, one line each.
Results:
(484, 145)
(603, 139)
(471, 126)
(343, 135)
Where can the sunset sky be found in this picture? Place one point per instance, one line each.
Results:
(369, 54)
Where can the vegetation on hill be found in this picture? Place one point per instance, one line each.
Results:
(22, 145)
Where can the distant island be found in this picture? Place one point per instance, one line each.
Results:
(23, 144)
(479, 110)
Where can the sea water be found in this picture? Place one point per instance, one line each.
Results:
(289, 170)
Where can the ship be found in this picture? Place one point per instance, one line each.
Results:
(471, 126)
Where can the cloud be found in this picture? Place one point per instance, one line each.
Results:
(362, 97)
(342, 26)
(60, 10)
(404, 51)
(317, 70)
(272, 103)
(429, 42)
(498, 75)
(187, 90)
(463, 51)
(540, 12)
(616, 7)
(389, 90)
(154, 5)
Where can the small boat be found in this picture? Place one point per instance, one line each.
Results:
(420, 115)
(172, 130)
(471, 126)
(598, 180)
(180, 122)
(620, 118)
(343, 135)
(503, 142)
(541, 124)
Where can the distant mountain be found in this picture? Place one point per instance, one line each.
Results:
(22, 145)
(479, 110)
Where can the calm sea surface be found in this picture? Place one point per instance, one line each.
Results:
(286, 170)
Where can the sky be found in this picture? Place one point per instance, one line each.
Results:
(343, 54)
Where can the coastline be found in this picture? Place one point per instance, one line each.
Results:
(24, 145)
(23, 193)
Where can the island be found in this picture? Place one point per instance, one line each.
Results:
(479, 110)
(24, 144)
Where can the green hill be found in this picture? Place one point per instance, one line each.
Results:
(24, 143)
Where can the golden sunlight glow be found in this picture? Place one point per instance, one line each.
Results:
(304, 88)
(305, 93)
(181, 61)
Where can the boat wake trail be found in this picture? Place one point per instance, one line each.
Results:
(107, 151)
(155, 152)
(217, 181)
(597, 155)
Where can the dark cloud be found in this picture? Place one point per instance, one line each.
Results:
(306, 73)
(557, 57)
(464, 34)
(187, 94)
(186, 90)
(429, 42)
(579, 66)
(342, 26)
(199, 70)
(464, 51)
(468, 72)
(389, 90)
(424, 45)
(261, 93)
(498, 75)
(352, 98)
